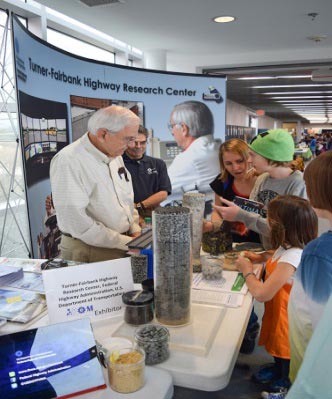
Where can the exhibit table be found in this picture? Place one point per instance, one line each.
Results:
(191, 369)
(203, 353)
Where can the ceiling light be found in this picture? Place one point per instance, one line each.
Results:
(294, 77)
(287, 86)
(317, 38)
(302, 101)
(297, 92)
(280, 98)
(274, 77)
(223, 19)
(255, 78)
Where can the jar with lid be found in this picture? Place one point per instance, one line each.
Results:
(126, 369)
(154, 340)
(212, 267)
(139, 307)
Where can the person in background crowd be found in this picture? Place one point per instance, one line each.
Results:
(149, 175)
(328, 142)
(192, 126)
(313, 281)
(271, 154)
(293, 224)
(313, 145)
(92, 191)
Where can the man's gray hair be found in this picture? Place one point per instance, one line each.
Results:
(196, 116)
(113, 118)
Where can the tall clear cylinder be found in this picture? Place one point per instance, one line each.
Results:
(172, 264)
(196, 202)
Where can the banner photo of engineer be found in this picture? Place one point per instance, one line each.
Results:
(50, 74)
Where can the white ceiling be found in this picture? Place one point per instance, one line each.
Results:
(264, 31)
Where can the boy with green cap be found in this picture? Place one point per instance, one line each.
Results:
(271, 153)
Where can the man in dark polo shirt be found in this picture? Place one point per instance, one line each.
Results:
(149, 175)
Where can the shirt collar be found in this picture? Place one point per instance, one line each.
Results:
(100, 156)
(127, 158)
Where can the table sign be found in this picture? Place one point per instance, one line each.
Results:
(91, 290)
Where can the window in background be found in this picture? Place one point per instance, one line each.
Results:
(14, 231)
(78, 47)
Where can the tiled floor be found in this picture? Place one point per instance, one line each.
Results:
(240, 386)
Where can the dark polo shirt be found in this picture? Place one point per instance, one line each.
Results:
(149, 176)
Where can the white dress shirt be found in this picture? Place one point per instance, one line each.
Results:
(93, 201)
(194, 168)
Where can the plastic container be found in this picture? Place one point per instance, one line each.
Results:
(109, 344)
(196, 203)
(172, 265)
(126, 369)
(212, 267)
(139, 267)
(139, 307)
(154, 340)
(230, 260)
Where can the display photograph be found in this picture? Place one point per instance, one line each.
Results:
(44, 132)
(83, 107)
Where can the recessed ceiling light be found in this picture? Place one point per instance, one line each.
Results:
(224, 18)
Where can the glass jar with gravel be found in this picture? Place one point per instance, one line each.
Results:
(211, 267)
(154, 340)
(126, 369)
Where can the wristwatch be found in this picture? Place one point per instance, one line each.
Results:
(140, 205)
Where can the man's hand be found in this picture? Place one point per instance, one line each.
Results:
(137, 234)
(229, 212)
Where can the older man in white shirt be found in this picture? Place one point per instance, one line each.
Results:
(92, 191)
(192, 125)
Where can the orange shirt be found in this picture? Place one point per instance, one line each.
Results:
(274, 332)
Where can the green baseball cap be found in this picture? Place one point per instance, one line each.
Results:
(275, 145)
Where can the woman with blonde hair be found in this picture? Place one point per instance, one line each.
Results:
(235, 179)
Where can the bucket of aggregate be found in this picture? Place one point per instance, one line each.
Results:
(154, 340)
(126, 369)
(196, 202)
(172, 265)
(138, 307)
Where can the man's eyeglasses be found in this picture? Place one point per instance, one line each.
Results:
(171, 125)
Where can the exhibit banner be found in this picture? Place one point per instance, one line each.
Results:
(71, 292)
(57, 93)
